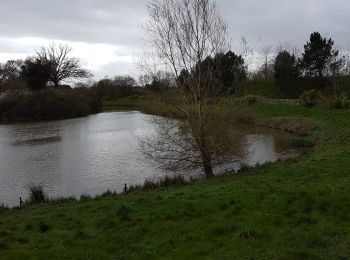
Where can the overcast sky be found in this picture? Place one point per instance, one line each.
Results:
(106, 34)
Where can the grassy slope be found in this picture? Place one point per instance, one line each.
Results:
(290, 210)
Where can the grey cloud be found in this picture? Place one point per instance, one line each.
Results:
(287, 21)
(118, 22)
(113, 22)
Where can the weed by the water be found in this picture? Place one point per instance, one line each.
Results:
(301, 142)
(37, 195)
(167, 181)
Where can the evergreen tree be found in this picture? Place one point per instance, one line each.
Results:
(317, 56)
(36, 73)
(286, 72)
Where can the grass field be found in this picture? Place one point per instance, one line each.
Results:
(296, 209)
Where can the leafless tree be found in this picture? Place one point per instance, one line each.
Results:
(11, 70)
(289, 47)
(63, 66)
(266, 55)
(10, 75)
(183, 33)
(346, 55)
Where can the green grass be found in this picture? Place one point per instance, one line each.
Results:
(296, 209)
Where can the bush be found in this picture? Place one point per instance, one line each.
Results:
(248, 100)
(301, 142)
(48, 105)
(37, 195)
(346, 104)
(309, 98)
(333, 101)
(3, 206)
(167, 181)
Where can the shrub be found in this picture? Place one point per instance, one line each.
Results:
(244, 116)
(345, 104)
(248, 100)
(48, 105)
(3, 206)
(37, 195)
(167, 181)
(333, 101)
(309, 98)
(301, 142)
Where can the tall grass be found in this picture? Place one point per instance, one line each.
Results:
(37, 195)
(3, 206)
(301, 142)
(167, 181)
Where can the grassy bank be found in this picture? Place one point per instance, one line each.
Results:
(297, 209)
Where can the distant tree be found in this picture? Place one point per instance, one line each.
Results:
(286, 72)
(183, 79)
(36, 73)
(231, 71)
(264, 72)
(228, 69)
(347, 61)
(119, 86)
(160, 81)
(10, 75)
(124, 81)
(318, 55)
(266, 54)
(11, 70)
(62, 66)
(286, 67)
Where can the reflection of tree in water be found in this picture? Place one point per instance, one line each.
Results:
(183, 146)
(177, 146)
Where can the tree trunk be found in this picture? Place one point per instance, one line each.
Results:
(207, 165)
(208, 170)
(56, 83)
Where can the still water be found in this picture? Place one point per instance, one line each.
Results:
(98, 153)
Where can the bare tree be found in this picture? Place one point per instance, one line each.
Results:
(10, 75)
(63, 67)
(346, 55)
(11, 70)
(183, 34)
(289, 47)
(266, 55)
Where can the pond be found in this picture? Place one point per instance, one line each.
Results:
(101, 152)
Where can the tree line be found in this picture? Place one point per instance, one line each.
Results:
(51, 65)
(320, 63)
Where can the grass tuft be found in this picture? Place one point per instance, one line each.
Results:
(301, 142)
(37, 195)
(167, 181)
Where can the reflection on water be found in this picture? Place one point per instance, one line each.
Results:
(38, 141)
(93, 154)
(256, 146)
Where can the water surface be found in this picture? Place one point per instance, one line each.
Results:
(97, 153)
